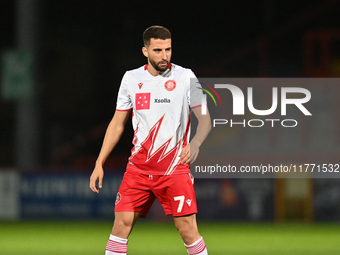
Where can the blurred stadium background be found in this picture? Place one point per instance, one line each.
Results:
(61, 66)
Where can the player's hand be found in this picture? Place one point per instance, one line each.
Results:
(97, 175)
(189, 153)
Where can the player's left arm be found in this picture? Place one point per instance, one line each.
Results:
(190, 152)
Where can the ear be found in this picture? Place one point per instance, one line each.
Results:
(145, 52)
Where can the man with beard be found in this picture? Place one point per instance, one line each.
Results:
(159, 96)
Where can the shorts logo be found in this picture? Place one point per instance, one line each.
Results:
(170, 85)
(118, 198)
(188, 202)
(192, 178)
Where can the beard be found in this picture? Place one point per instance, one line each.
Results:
(157, 67)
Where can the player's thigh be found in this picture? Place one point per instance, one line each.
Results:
(187, 227)
(187, 221)
(123, 223)
(126, 218)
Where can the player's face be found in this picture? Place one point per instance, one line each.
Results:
(158, 54)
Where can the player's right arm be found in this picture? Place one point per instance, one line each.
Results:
(113, 133)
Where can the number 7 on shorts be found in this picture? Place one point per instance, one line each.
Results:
(181, 202)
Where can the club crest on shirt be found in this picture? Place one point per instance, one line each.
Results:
(118, 198)
(170, 85)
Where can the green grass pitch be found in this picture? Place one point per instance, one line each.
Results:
(148, 238)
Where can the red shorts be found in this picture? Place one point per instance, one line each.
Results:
(175, 192)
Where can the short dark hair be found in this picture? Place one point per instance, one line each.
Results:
(156, 32)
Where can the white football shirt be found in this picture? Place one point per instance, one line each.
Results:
(160, 118)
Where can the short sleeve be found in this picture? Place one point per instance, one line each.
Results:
(124, 102)
(194, 92)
